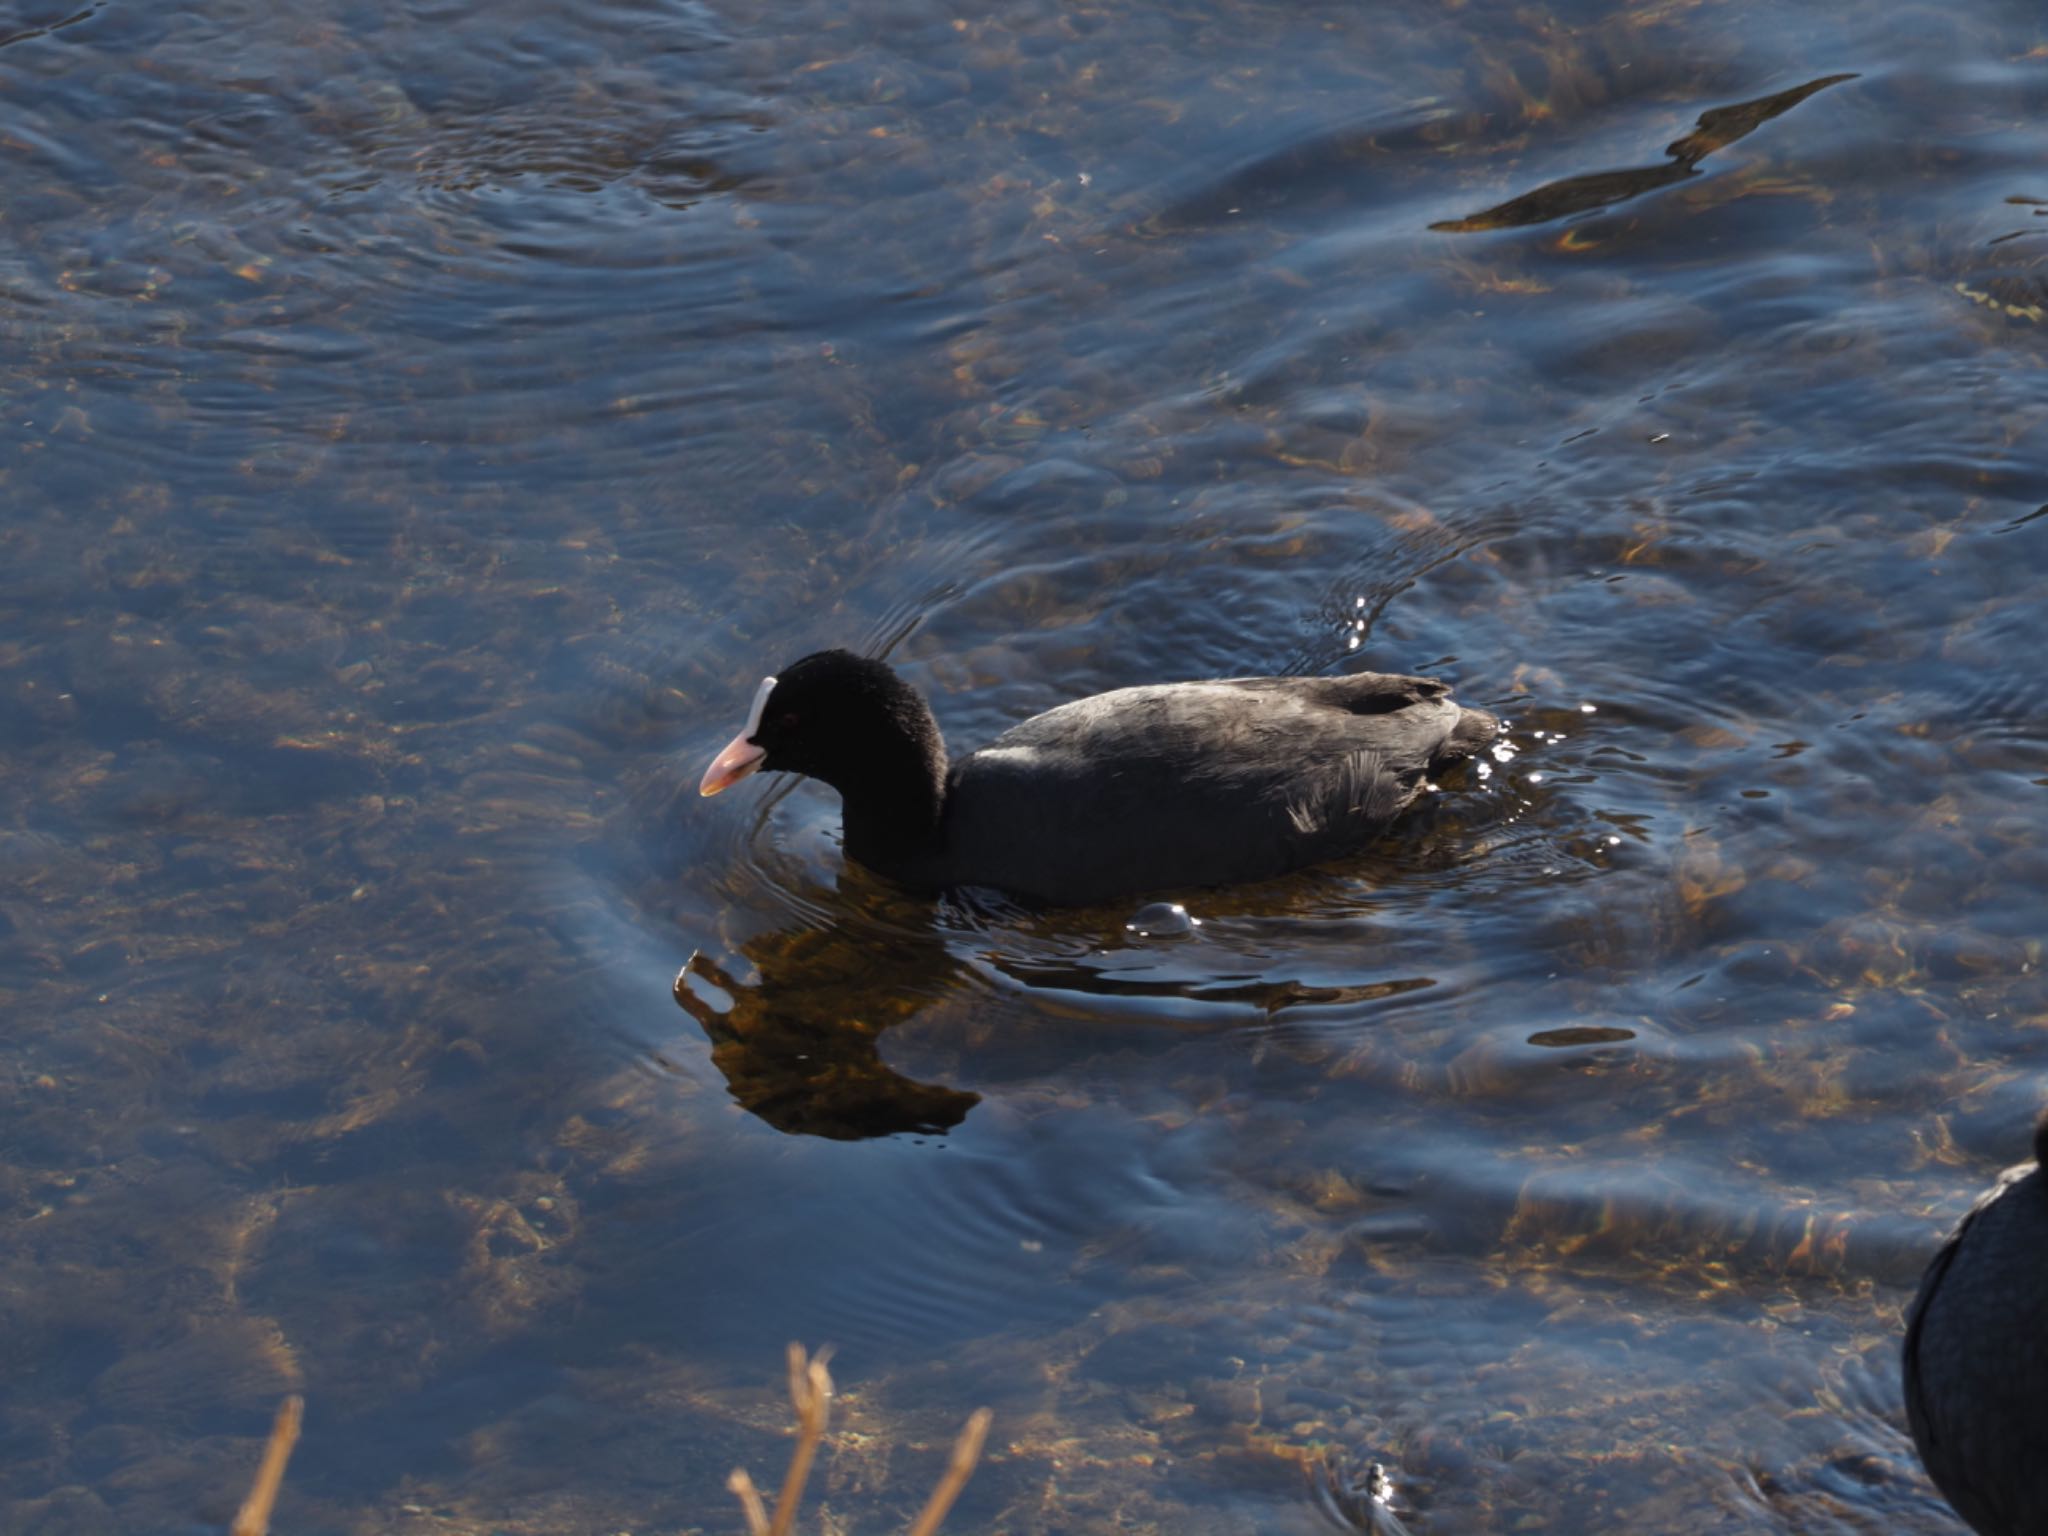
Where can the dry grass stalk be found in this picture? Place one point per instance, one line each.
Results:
(253, 1518)
(810, 1391)
(966, 1452)
(750, 1501)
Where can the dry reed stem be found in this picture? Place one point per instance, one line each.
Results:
(750, 1501)
(966, 1452)
(810, 1392)
(253, 1518)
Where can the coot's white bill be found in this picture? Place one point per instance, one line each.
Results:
(741, 755)
(740, 758)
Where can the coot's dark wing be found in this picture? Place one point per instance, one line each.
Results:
(1388, 693)
(1196, 783)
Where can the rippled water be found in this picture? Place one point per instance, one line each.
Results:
(426, 422)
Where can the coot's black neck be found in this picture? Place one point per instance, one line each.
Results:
(894, 791)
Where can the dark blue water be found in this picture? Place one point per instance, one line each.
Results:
(425, 423)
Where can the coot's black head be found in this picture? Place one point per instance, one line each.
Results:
(844, 719)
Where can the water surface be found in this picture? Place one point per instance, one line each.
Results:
(427, 422)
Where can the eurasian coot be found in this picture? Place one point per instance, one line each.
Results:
(1976, 1357)
(1142, 789)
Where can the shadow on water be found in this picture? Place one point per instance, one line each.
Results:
(1717, 129)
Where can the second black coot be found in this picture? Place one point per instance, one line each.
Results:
(1976, 1357)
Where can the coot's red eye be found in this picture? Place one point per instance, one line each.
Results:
(788, 718)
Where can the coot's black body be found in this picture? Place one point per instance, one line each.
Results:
(1143, 789)
(1976, 1358)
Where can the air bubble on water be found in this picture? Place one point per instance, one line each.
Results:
(1162, 920)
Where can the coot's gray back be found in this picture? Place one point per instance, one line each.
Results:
(1196, 784)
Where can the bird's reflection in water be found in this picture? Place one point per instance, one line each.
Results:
(800, 1047)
